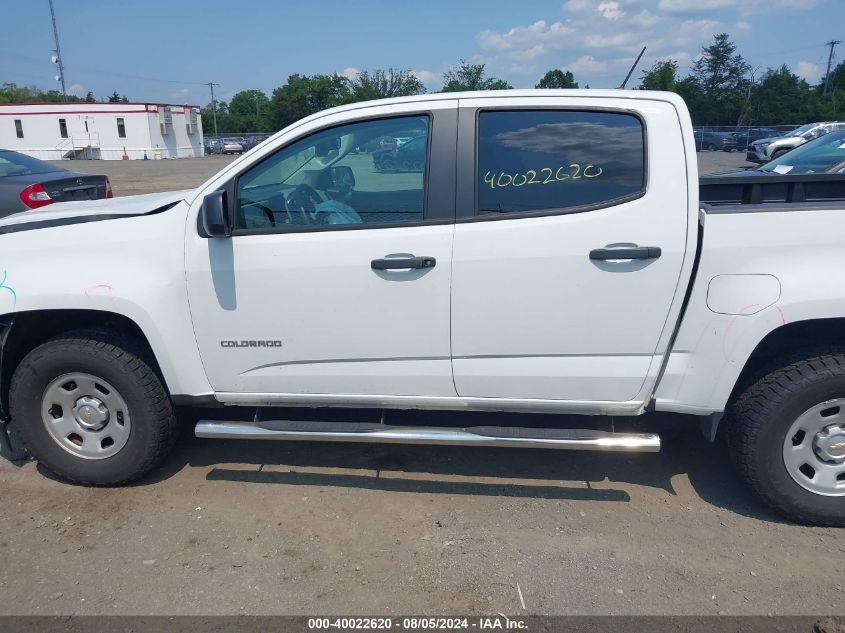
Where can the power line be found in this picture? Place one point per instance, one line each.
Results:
(832, 44)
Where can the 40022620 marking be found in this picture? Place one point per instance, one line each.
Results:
(551, 175)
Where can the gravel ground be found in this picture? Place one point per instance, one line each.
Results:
(301, 528)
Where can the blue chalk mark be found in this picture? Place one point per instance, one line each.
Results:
(3, 286)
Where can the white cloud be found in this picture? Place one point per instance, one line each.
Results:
(76, 89)
(577, 6)
(693, 5)
(587, 64)
(350, 73)
(645, 18)
(807, 70)
(610, 10)
(743, 25)
(425, 76)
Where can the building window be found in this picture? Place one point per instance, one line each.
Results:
(18, 128)
(63, 128)
(121, 127)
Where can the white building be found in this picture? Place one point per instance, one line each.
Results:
(108, 131)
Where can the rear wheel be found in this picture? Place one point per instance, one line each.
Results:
(91, 410)
(787, 438)
(711, 147)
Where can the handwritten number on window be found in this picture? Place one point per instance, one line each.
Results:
(543, 176)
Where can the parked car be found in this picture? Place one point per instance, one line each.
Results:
(538, 268)
(713, 141)
(765, 149)
(746, 136)
(823, 155)
(213, 145)
(409, 156)
(231, 146)
(28, 183)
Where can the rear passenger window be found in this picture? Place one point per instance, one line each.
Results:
(553, 160)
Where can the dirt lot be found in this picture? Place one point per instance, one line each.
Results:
(301, 528)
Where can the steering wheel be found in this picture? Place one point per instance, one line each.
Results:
(302, 201)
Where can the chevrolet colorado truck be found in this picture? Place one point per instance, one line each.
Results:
(553, 254)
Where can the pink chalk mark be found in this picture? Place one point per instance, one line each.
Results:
(782, 315)
(93, 289)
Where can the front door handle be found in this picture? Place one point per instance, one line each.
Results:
(402, 263)
(626, 252)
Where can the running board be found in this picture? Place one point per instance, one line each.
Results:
(514, 437)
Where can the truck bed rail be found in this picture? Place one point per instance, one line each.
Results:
(777, 188)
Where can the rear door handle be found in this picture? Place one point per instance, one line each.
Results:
(626, 252)
(402, 263)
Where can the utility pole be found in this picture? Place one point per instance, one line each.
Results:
(211, 85)
(58, 51)
(832, 44)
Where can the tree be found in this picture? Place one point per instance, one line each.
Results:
(303, 95)
(116, 98)
(248, 112)
(782, 97)
(661, 76)
(557, 78)
(90, 98)
(720, 75)
(471, 77)
(381, 84)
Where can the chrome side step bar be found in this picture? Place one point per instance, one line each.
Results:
(513, 437)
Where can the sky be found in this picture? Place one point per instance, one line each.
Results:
(164, 51)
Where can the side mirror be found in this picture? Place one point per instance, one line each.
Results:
(214, 218)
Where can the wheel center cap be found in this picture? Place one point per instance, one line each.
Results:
(91, 413)
(830, 444)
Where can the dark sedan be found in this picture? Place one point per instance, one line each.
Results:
(410, 156)
(28, 183)
(705, 139)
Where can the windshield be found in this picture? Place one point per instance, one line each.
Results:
(14, 164)
(801, 130)
(814, 157)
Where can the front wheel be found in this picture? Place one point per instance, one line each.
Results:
(779, 153)
(787, 438)
(90, 409)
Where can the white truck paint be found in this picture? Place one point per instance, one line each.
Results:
(515, 316)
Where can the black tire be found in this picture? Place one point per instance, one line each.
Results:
(759, 420)
(711, 148)
(119, 362)
(779, 153)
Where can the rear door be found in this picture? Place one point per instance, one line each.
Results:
(569, 248)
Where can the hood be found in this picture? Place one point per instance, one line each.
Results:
(93, 210)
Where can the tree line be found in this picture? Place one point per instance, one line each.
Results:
(721, 89)
(13, 93)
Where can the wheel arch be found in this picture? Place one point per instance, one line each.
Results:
(21, 332)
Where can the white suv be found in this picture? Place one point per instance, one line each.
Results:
(765, 149)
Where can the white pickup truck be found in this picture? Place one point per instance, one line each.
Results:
(520, 251)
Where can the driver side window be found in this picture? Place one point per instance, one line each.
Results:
(366, 173)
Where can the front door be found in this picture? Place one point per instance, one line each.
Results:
(571, 238)
(336, 278)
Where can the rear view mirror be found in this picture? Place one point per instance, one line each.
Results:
(214, 217)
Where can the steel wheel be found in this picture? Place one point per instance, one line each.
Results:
(85, 415)
(814, 449)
